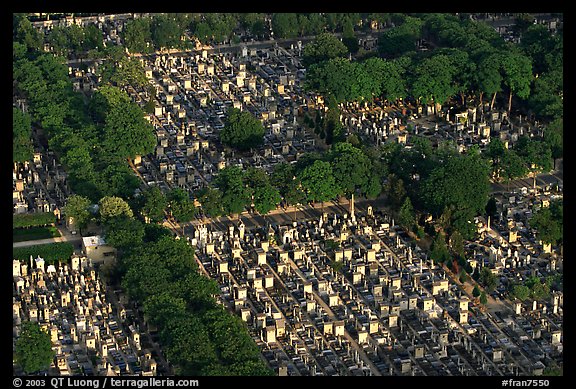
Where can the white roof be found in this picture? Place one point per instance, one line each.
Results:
(93, 241)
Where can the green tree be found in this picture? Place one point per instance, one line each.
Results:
(457, 244)
(77, 207)
(433, 79)
(242, 130)
(439, 252)
(180, 205)
(166, 32)
(265, 196)
(352, 169)
(483, 298)
(124, 233)
(285, 25)
(488, 279)
(154, 204)
(318, 182)
(548, 223)
(211, 201)
(112, 206)
(521, 292)
(395, 190)
(476, 291)
(235, 194)
(401, 38)
(21, 136)
(33, 348)
(517, 75)
(137, 35)
(488, 77)
(324, 47)
(126, 132)
(406, 215)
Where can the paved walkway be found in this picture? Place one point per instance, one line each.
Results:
(65, 236)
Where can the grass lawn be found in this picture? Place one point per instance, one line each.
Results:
(33, 233)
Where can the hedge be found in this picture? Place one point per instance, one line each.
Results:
(52, 253)
(33, 219)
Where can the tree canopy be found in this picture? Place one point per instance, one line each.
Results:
(242, 130)
(21, 136)
(33, 349)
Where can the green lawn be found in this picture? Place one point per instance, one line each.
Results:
(33, 233)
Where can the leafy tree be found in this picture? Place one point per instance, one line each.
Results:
(137, 35)
(345, 80)
(21, 132)
(235, 194)
(242, 130)
(124, 233)
(318, 182)
(521, 292)
(488, 77)
(126, 132)
(433, 79)
(33, 349)
(386, 78)
(155, 232)
(548, 222)
(112, 206)
(180, 205)
(546, 98)
(395, 190)
(439, 252)
(166, 32)
(26, 33)
(553, 136)
(476, 291)
(488, 279)
(483, 298)
(154, 204)
(460, 182)
(400, 39)
(513, 166)
(77, 207)
(349, 38)
(407, 216)
(211, 200)
(265, 196)
(324, 47)
(457, 244)
(285, 25)
(517, 75)
(93, 39)
(288, 183)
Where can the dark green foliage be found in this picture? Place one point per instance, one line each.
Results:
(318, 182)
(235, 194)
(400, 39)
(488, 279)
(483, 298)
(33, 219)
(21, 136)
(285, 25)
(77, 208)
(324, 47)
(137, 35)
(52, 253)
(407, 216)
(33, 349)
(154, 204)
(180, 205)
(124, 233)
(265, 196)
(548, 222)
(476, 291)
(242, 130)
(166, 32)
(211, 201)
(440, 253)
(198, 335)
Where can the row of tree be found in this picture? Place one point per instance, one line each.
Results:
(469, 59)
(93, 138)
